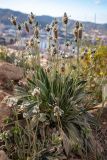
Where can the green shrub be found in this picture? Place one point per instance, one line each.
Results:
(52, 116)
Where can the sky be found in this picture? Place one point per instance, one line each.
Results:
(84, 10)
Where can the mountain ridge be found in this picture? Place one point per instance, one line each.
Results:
(45, 19)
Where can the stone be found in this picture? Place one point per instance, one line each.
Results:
(3, 155)
(9, 71)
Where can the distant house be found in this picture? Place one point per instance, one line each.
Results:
(2, 41)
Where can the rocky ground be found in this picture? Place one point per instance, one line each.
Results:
(8, 73)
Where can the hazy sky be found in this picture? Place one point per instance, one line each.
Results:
(78, 9)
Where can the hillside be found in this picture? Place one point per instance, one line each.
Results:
(44, 19)
(6, 13)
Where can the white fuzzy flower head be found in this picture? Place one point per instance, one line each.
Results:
(36, 92)
(25, 115)
(36, 109)
(42, 117)
(26, 103)
(12, 101)
(58, 111)
(24, 106)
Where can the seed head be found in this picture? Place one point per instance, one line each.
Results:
(53, 45)
(48, 69)
(63, 68)
(54, 51)
(77, 25)
(48, 28)
(30, 20)
(80, 30)
(67, 44)
(32, 15)
(65, 18)
(55, 31)
(55, 21)
(30, 43)
(36, 32)
(93, 51)
(19, 27)
(82, 56)
(26, 27)
(13, 20)
(86, 50)
(76, 33)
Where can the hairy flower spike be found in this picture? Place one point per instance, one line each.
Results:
(36, 32)
(54, 51)
(48, 69)
(30, 43)
(76, 33)
(77, 25)
(55, 21)
(67, 44)
(13, 20)
(30, 20)
(19, 27)
(47, 28)
(80, 30)
(55, 31)
(63, 68)
(32, 15)
(65, 18)
(26, 27)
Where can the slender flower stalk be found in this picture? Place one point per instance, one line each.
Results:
(65, 22)
(48, 30)
(78, 36)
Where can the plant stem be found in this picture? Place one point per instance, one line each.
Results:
(78, 58)
(65, 33)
